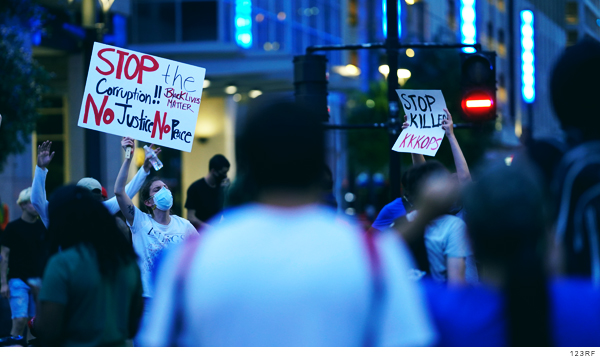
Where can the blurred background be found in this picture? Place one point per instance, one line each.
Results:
(247, 48)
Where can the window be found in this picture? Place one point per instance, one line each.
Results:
(501, 43)
(572, 36)
(51, 127)
(154, 22)
(352, 12)
(572, 13)
(167, 21)
(490, 35)
(451, 15)
(501, 5)
(199, 21)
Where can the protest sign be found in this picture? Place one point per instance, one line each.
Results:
(424, 111)
(145, 97)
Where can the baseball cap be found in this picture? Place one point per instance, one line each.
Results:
(24, 196)
(91, 184)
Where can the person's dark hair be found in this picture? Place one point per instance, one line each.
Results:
(218, 162)
(77, 218)
(574, 88)
(282, 146)
(506, 221)
(242, 191)
(418, 175)
(145, 191)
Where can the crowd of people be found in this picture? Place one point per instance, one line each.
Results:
(501, 256)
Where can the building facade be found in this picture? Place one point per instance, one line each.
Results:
(246, 47)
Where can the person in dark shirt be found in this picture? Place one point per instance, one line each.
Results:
(24, 254)
(205, 197)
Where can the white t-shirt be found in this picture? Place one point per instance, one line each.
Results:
(151, 238)
(286, 277)
(447, 237)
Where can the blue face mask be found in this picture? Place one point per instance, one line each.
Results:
(163, 199)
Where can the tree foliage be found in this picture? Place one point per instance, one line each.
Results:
(22, 78)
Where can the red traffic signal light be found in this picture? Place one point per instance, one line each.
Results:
(478, 86)
(478, 105)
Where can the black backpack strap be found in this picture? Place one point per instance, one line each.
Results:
(185, 261)
(377, 292)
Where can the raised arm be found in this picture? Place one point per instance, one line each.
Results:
(124, 201)
(416, 158)
(133, 186)
(38, 188)
(462, 169)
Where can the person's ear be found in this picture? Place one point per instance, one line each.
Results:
(148, 203)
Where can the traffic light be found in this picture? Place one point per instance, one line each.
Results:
(310, 83)
(478, 86)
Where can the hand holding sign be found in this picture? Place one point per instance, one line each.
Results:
(425, 122)
(448, 124)
(127, 144)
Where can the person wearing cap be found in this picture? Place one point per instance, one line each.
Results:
(38, 194)
(24, 255)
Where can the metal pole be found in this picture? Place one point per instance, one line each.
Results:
(354, 126)
(372, 46)
(392, 45)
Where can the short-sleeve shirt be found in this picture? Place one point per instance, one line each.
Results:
(388, 214)
(445, 237)
(97, 308)
(29, 250)
(205, 200)
(287, 277)
(150, 238)
(475, 315)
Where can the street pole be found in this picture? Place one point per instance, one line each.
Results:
(93, 167)
(392, 45)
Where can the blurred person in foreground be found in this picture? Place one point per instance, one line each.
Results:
(24, 251)
(91, 293)
(516, 303)
(575, 93)
(282, 271)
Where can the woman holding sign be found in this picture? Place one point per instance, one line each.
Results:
(154, 231)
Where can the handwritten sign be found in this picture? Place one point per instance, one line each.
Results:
(145, 97)
(424, 110)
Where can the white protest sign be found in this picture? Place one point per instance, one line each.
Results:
(424, 111)
(145, 97)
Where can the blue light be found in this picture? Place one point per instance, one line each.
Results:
(468, 27)
(384, 18)
(243, 23)
(527, 57)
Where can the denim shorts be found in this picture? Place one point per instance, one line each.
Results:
(22, 304)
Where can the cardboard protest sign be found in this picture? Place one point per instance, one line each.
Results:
(145, 97)
(424, 110)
